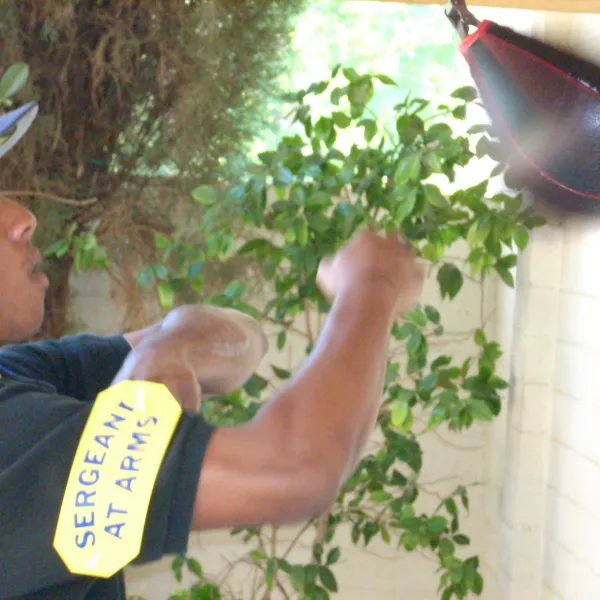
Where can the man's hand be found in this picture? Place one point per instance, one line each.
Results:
(198, 350)
(370, 258)
(159, 359)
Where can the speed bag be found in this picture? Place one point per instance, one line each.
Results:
(544, 105)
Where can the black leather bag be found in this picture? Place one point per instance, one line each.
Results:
(544, 104)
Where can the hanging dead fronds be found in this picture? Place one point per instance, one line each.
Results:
(140, 101)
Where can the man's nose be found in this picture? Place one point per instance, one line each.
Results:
(23, 226)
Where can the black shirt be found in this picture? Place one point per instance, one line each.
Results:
(46, 393)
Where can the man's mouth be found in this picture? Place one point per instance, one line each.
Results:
(37, 274)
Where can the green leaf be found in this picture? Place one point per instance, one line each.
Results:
(450, 280)
(479, 231)
(432, 252)
(13, 80)
(282, 177)
(446, 547)
(521, 236)
(428, 383)
(480, 338)
(235, 289)
(341, 119)
(477, 584)
(467, 93)
(385, 79)
(281, 373)
(460, 112)
(432, 314)
(437, 525)
(270, 572)
(161, 242)
(328, 579)
(146, 277)
(434, 196)
(401, 332)
(59, 248)
(255, 245)
(417, 317)
(440, 132)
(462, 540)
(403, 207)
(318, 200)
(370, 127)
(195, 567)
(166, 294)
(301, 231)
(333, 556)
(408, 169)
(507, 277)
(205, 195)
(400, 412)
(297, 577)
(433, 161)
(448, 593)
(350, 74)
(480, 410)
(281, 339)
(380, 496)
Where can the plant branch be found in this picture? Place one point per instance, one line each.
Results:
(297, 538)
(47, 196)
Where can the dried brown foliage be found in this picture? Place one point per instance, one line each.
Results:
(140, 101)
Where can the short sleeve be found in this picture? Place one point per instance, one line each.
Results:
(78, 366)
(36, 452)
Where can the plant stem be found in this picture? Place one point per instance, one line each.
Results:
(322, 528)
(297, 537)
(309, 330)
(48, 196)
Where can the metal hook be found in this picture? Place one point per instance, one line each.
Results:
(461, 17)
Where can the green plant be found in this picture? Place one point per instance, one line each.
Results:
(301, 202)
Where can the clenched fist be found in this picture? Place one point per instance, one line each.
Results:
(371, 258)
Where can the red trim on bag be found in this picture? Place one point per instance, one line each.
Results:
(483, 30)
(470, 39)
(520, 150)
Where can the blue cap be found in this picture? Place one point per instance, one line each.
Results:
(14, 125)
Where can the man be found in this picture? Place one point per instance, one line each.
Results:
(285, 466)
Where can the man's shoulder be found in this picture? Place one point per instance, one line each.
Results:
(12, 385)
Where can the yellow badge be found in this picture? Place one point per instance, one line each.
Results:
(103, 513)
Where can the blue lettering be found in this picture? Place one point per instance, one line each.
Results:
(113, 423)
(94, 460)
(126, 483)
(103, 440)
(112, 510)
(152, 420)
(82, 540)
(123, 405)
(138, 441)
(114, 530)
(83, 499)
(83, 522)
(127, 464)
(95, 476)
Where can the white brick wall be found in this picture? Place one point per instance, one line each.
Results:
(548, 513)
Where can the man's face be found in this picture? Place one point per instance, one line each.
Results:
(22, 286)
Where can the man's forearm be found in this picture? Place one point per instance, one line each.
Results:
(328, 410)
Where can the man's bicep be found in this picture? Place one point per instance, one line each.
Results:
(249, 477)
